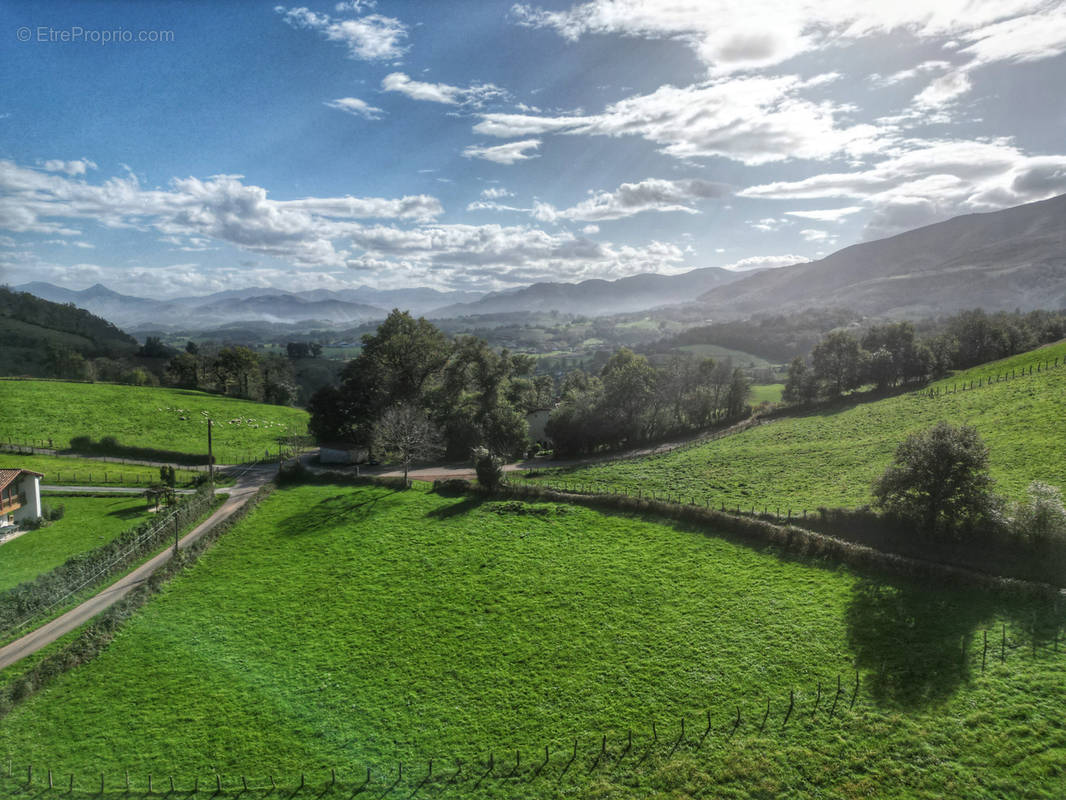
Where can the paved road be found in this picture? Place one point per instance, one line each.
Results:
(246, 487)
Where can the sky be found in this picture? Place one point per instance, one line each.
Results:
(185, 148)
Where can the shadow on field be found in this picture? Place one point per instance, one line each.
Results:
(919, 643)
(455, 509)
(126, 513)
(340, 509)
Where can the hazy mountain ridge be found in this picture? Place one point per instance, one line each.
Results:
(1000, 260)
(599, 297)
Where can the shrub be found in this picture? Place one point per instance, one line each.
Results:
(1041, 521)
(489, 468)
(452, 486)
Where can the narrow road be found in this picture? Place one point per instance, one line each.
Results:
(247, 485)
(107, 489)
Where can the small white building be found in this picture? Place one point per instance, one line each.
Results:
(20, 495)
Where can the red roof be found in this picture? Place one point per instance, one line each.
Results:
(9, 476)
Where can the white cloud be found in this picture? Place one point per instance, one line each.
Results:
(76, 167)
(357, 107)
(908, 74)
(496, 193)
(370, 38)
(932, 180)
(651, 194)
(943, 90)
(765, 262)
(590, 230)
(826, 214)
(817, 235)
(317, 235)
(505, 153)
(754, 120)
(475, 95)
(731, 35)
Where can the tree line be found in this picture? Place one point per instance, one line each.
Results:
(895, 353)
(630, 401)
(471, 395)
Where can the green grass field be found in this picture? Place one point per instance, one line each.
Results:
(352, 627)
(88, 523)
(63, 471)
(766, 393)
(830, 457)
(719, 353)
(139, 416)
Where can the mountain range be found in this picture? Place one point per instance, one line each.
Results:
(1014, 258)
(1000, 260)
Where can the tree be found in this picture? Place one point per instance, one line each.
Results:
(488, 467)
(405, 433)
(838, 361)
(1042, 520)
(801, 386)
(939, 480)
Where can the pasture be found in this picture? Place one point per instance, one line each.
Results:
(350, 627)
(87, 523)
(830, 456)
(72, 471)
(144, 417)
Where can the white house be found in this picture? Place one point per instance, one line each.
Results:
(20, 495)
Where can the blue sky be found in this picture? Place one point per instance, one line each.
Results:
(184, 148)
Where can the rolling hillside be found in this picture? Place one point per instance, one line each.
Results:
(33, 330)
(141, 416)
(1015, 258)
(830, 457)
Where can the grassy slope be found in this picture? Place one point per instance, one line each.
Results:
(830, 458)
(766, 393)
(88, 523)
(345, 627)
(78, 471)
(718, 353)
(141, 416)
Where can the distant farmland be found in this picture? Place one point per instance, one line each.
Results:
(361, 627)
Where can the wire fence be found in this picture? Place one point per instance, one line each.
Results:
(23, 605)
(1038, 368)
(833, 699)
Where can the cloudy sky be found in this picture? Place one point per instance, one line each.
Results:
(480, 144)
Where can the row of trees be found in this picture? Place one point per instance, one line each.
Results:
(472, 395)
(631, 401)
(237, 371)
(894, 353)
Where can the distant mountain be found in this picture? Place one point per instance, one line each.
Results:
(598, 297)
(255, 304)
(1002, 260)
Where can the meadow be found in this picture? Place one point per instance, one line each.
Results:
(87, 523)
(352, 627)
(830, 456)
(141, 416)
(71, 471)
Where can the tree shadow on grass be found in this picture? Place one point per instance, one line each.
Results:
(464, 506)
(127, 513)
(920, 642)
(346, 509)
(913, 640)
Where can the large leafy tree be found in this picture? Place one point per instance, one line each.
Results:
(838, 361)
(939, 479)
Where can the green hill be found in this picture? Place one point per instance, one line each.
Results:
(830, 457)
(143, 417)
(34, 332)
(345, 627)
